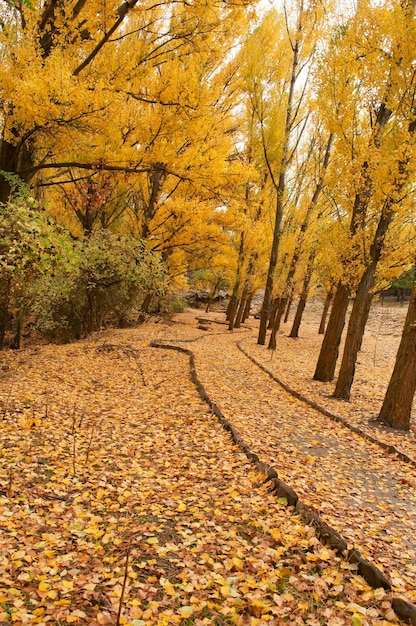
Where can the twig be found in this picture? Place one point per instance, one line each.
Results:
(123, 588)
(10, 486)
(139, 367)
(87, 456)
(74, 455)
(73, 420)
(81, 419)
(47, 405)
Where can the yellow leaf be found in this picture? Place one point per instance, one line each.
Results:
(225, 591)
(237, 564)
(284, 572)
(68, 584)
(43, 586)
(181, 507)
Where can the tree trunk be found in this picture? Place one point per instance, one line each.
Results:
(230, 306)
(146, 303)
(16, 342)
(247, 308)
(268, 291)
(397, 405)
(325, 368)
(233, 313)
(273, 313)
(361, 308)
(13, 158)
(276, 324)
(240, 311)
(353, 340)
(294, 333)
(289, 304)
(4, 319)
(327, 304)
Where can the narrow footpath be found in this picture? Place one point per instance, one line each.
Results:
(357, 487)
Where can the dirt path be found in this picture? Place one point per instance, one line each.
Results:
(359, 489)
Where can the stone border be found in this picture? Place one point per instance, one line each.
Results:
(373, 576)
(333, 416)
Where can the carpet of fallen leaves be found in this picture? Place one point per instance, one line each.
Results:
(123, 501)
(295, 360)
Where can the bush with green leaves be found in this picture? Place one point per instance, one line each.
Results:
(28, 246)
(103, 282)
(70, 287)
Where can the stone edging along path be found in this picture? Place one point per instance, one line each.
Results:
(374, 577)
(336, 418)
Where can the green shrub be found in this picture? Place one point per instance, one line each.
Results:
(104, 283)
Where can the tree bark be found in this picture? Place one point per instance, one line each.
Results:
(240, 311)
(325, 368)
(247, 308)
(231, 305)
(397, 404)
(361, 308)
(233, 313)
(273, 313)
(294, 333)
(327, 304)
(289, 304)
(276, 324)
(266, 307)
(353, 340)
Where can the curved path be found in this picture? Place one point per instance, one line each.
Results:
(358, 488)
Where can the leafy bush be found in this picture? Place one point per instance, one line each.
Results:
(28, 245)
(70, 287)
(103, 282)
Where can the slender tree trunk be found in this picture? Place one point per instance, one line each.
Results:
(289, 304)
(397, 406)
(276, 324)
(233, 312)
(230, 306)
(146, 303)
(294, 333)
(267, 301)
(4, 318)
(361, 308)
(280, 187)
(247, 308)
(327, 304)
(325, 368)
(356, 327)
(273, 313)
(240, 310)
(16, 342)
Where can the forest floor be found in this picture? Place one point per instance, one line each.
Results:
(124, 501)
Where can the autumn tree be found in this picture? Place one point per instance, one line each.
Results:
(98, 91)
(378, 158)
(275, 56)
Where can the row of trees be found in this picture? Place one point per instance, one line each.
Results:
(272, 152)
(338, 112)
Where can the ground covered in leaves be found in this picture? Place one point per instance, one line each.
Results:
(123, 501)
